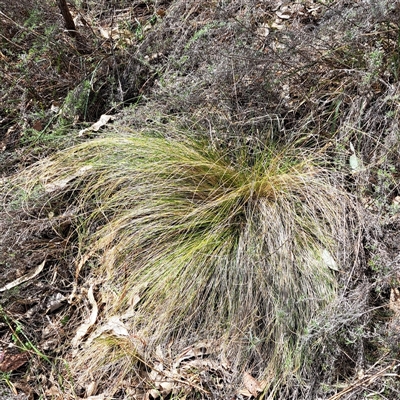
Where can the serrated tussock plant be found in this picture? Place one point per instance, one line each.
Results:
(194, 243)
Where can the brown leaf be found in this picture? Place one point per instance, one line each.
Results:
(252, 384)
(37, 125)
(11, 361)
(54, 393)
(245, 393)
(394, 303)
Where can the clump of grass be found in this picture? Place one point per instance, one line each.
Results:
(198, 244)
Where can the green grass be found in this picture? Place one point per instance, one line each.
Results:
(194, 243)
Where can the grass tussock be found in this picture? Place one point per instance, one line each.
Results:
(210, 263)
(197, 244)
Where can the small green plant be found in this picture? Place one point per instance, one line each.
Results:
(76, 103)
(33, 20)
(19, 338)
(374, 61)
(5, 377)
(64, 320)
(202, 32)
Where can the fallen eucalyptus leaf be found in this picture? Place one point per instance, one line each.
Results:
(97, 125)
(83, 329)
(24, 278)
(62, 183)
(329, 260)
(355, 162)
(252, 384)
